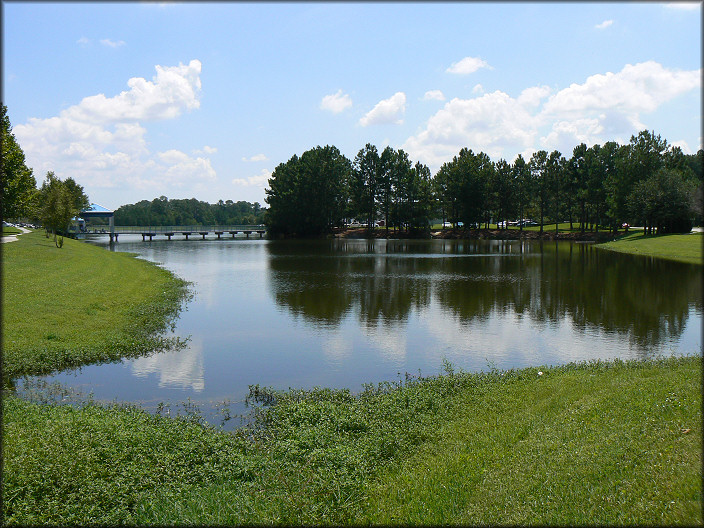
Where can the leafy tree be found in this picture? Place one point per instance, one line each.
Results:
(307, 196)
(365, 182)
(521, 185)
(539, 172)
(663, 202)
(59, 202)
(19, 187)
(555, 171)
(502, 194)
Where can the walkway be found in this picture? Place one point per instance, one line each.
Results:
(12, 238)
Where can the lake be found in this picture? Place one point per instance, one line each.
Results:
(341, 313)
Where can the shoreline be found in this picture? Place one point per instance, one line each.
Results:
(478, 234)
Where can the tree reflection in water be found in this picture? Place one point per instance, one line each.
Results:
(382, 281)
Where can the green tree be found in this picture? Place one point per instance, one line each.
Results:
(539, 173)
(365, 182)
(555, 168)
(19, 187)
(521, 185)
(307, 195)
(59, 202)
(663, 202)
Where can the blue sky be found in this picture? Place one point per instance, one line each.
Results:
(193, 100)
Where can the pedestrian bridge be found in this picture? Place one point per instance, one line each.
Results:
(171, 231)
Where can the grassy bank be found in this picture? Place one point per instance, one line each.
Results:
(598, 443)
(80, 304)
(682, 248)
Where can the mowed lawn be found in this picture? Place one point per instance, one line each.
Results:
(683, 248)
(596, 445)
(71, 306)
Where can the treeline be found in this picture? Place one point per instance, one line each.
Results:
(162, 212)
(646, 182)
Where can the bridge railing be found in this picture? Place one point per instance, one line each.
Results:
(186, 229)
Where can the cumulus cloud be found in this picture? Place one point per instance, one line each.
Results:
(336, 102)
(478, 89)
(206, 150)
(604, 24)
(604, 107)
(112, 43)
(490, 123)
(467, 65)
(434, 95)
(533, 95)
(387, 111)
(101, 140)
(256, 157)
(260, 180)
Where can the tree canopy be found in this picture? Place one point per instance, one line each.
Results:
(164, 212)
(597, 186)
(19, 186)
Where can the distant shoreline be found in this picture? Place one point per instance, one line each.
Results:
(479, 234)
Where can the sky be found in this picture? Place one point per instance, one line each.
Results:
(204, 100)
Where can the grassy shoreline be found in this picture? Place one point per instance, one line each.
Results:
(459, 448)
(579, 444)
(63, 308)
(681, 248)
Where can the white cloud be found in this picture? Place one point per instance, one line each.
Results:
(206, 150)
(83, 41)
(490, 123)
(178, 168)
(604, 24)
(173, 90)
(467, 65)
(687, 6)
(336, 102)
(257, 157)
(101, 142)
(260, 180)
(634, 90)
(434, 95)
(478, 89)
(388, 111)
(112, 43)
(604, 107)
(533, 95)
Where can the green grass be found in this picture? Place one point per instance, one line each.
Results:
(79, 304)
(682, 248)
(601, 445)
(596, 443)
(10, 231)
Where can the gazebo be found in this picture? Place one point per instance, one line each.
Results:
(98, 211)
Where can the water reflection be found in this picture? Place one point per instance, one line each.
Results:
(175, 369)
(644, 300)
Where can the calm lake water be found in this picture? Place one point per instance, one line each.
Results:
(340, 313)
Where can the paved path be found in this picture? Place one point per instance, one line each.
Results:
(12, 238)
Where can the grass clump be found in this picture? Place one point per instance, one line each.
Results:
(68, 307)
(682, 248)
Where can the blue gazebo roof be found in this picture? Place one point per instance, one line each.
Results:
(96, 210)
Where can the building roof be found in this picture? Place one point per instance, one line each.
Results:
(96, 210)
